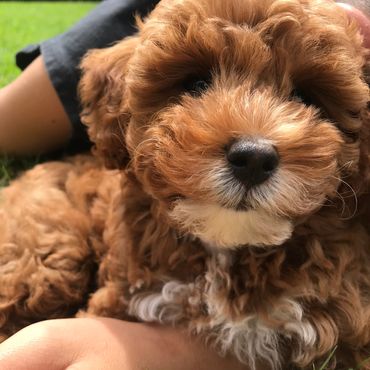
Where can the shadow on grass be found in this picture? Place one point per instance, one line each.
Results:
(326, 364)
(11, 167)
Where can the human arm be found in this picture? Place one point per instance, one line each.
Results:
(107, 344)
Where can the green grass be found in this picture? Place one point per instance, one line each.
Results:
(23, 23)
(325, 364)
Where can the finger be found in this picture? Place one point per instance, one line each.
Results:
(361, 19)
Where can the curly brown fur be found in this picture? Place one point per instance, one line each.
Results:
(278, 273)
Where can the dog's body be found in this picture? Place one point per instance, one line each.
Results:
(270, 264)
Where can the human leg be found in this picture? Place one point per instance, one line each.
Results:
(32, 118)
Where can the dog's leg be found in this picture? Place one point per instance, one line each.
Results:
(112, 282)
(46, 258)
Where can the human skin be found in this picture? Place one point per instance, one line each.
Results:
(360, 17)
(32, 118)
(107, 344)
(92, 344)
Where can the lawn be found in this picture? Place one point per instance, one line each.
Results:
(23, 23)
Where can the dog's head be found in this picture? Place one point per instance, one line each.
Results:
(242, 117)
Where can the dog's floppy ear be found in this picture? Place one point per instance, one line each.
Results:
(103, 99)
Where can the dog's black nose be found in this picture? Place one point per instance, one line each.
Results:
(252, 161)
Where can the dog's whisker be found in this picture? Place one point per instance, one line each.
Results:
(354, 196)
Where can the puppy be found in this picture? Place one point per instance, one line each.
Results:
(233, 199)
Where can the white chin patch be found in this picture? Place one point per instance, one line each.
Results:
(227, 228)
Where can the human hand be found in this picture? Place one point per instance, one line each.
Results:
(106, 344)
(361, 15)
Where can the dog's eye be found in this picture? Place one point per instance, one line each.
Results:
(196, 85)
(302, 97)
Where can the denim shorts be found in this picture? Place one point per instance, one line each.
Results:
(109, 22)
